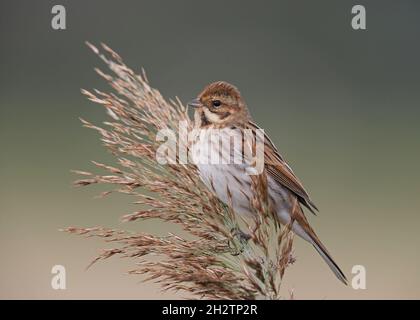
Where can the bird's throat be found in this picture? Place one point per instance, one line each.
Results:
(204, 121)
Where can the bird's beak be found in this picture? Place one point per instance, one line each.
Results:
(195, 103)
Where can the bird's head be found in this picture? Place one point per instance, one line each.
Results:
(219, 105)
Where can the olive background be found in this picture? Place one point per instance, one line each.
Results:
(341, 105)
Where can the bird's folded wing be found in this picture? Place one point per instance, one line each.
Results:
(280, 171)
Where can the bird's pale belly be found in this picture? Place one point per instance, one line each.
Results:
(221, 178)
(232, 179)
(225, 180)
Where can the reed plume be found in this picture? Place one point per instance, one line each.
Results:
(222, 256)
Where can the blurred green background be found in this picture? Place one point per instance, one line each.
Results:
(341, 105)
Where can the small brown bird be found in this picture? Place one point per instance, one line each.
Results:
(220, 106)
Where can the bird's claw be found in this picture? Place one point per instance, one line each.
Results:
(239, 245)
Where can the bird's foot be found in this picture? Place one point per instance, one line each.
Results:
(239, 241)
(242, 236)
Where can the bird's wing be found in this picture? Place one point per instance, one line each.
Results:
(280, 171)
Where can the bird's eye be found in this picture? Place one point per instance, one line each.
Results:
(216, 103)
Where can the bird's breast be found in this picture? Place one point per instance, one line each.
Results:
(218, 155)
(225, 173)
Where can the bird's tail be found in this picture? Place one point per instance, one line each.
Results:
(323, 252)
(302, 228)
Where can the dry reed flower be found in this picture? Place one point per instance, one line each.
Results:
(219, 261)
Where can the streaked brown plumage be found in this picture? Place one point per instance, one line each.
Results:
(220, 106)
